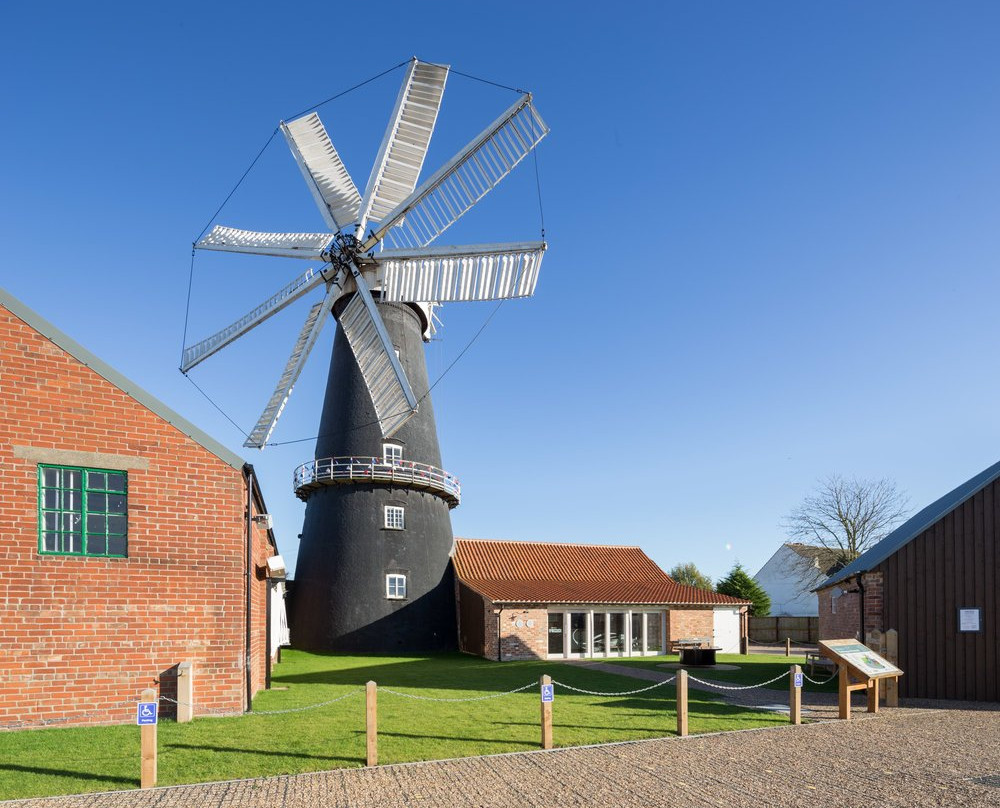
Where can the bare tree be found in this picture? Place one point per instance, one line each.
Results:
(847, 516)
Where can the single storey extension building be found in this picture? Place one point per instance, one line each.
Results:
(535, 600)
(934, 580)
(132, 542)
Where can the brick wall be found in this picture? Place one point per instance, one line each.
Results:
(524, 633)
(690, 621)
(840, 618)
(81, 637)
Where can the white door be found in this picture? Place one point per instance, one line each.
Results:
(727, 630)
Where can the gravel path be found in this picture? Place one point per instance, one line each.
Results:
(908, 756)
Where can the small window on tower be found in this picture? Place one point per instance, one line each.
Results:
(394, 517)
(392, 453)
(395, 587)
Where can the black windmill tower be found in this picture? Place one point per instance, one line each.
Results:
(373, 568)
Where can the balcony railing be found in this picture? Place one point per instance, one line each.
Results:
(352, 470)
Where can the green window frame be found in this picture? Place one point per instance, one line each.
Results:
(82, 511)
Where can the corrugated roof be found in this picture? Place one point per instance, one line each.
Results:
(130, 388)
(914, 526)
(542, 572)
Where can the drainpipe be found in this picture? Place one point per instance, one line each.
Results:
(861, 594)
(248, 479)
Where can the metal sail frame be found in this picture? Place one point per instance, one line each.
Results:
(414, 272)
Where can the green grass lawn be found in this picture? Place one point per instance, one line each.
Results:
(72, 760)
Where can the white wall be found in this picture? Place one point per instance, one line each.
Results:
(784, 577)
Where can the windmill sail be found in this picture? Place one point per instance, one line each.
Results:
(303, 284)
(324, 171)
(464, 180)
(303, 345)
(404, 146)
(476, 272)
(390, 390)
(310, 246)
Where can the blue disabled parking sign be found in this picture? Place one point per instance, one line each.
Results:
(145, 712)
(548, 693)
(798, 680)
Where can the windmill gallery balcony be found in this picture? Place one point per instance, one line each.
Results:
(354, 470)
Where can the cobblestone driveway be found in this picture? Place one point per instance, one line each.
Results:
(910, 756)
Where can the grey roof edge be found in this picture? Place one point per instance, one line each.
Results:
(127, 386)
(913, 527)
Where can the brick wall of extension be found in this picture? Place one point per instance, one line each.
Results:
(840, 617)
(82, 636)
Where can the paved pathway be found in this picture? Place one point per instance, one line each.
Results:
(905, 757)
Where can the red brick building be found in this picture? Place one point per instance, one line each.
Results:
(934, 580)
(127, 536)
(532, 600)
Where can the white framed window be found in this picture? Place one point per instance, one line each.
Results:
(395, 586)
(392, 453)
(394, 517)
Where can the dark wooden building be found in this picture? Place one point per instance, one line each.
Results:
(933, 579)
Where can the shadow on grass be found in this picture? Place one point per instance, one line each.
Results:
(265, 752)
(76, 775)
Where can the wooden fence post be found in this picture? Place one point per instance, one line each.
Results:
(185, 692)
(682, 703)
(794, 696)
(546, 714)
(788, 646)
(371, 722)
(147, 732)
(892, 655)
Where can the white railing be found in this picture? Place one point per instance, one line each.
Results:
(347, 470)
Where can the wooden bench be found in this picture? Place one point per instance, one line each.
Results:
(814, 658)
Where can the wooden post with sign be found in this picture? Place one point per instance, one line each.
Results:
(147, 734)
(794, 695)
(371, 723)
(545, 684)
(682, 703)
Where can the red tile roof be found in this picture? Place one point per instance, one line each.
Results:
(539, 572)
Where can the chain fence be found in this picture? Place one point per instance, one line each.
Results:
(623, 693)
(453, 700)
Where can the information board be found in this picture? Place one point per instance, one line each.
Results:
(860, 659)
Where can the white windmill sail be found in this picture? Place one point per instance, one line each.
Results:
(447, 274)
(331, 186)
(310, 246)
(311, 328)
(404, 145)
(465, 179)
(302, 285)
(390, 390)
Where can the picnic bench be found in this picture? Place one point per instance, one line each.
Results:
(695, 651)
(814, 658)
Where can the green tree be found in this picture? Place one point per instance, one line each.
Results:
(690, 575)
(738, 584)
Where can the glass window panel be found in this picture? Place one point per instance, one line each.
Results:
(50, 477)
(50, 498)
(97, 545)
(97, 479)
(556, 633)
(50, 521)
(97, 502)
(96, 523)
(73, 542)
(654, 623)
(50, 542)
(116, 503)
(116, 482)
(599, 633)
(616, 638)
(70, 478)
(116, 545)
(578, 633)
(637, 631)
(71, 521)
(117, 524)
(72, 501)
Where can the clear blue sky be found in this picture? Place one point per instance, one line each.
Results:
(773, 235)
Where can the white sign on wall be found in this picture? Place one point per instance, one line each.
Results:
(970, 619)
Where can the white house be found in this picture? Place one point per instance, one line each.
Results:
(789, 576)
